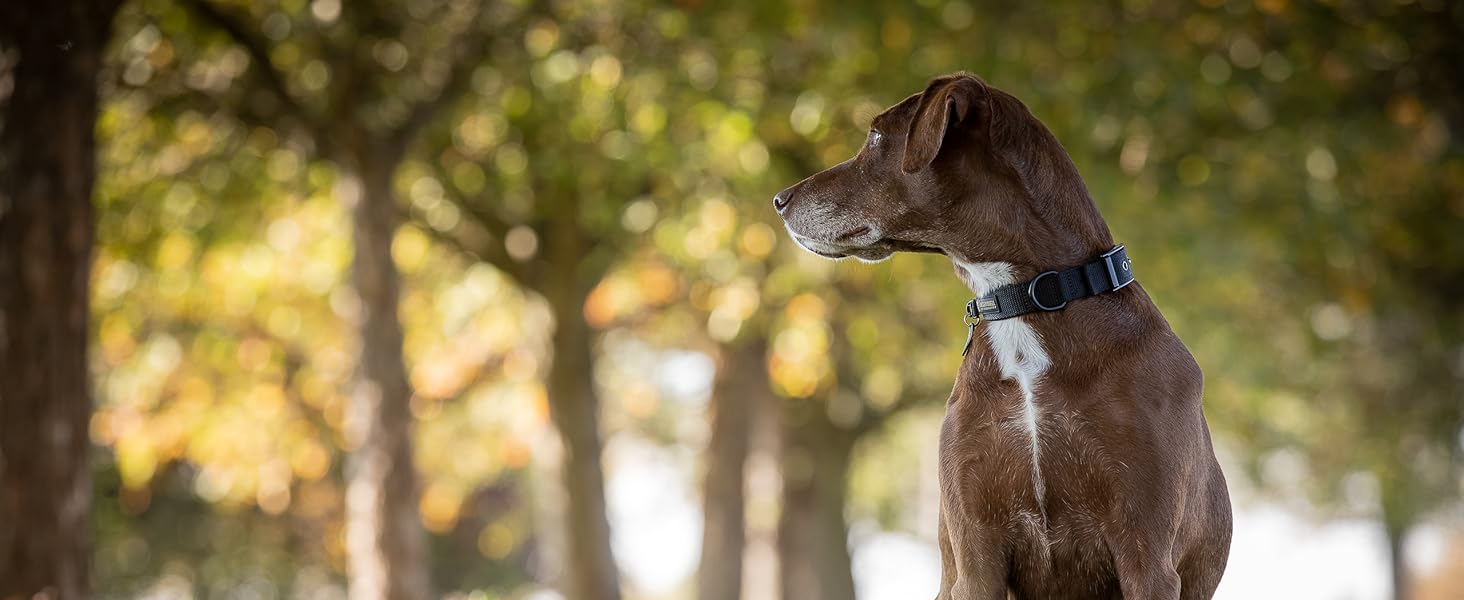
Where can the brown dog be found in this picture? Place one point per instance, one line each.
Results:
(1075, 458)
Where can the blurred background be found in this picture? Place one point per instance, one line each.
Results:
(449, 298)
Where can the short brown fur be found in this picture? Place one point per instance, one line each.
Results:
(1135, 505)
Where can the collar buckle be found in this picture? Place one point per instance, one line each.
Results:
(1120, 270)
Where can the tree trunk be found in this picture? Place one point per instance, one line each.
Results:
(1396, 524)
(1398, 563)
(47, 170)
(574, 407)
(384, 538)
(813, 537)
(1398, 516)
(741, 386)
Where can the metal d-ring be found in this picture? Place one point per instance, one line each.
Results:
(1032, 293)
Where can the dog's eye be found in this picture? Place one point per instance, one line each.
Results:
(875, 136)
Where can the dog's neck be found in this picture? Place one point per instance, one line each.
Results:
(1035, 214)
(1045, 344)
(983, 277)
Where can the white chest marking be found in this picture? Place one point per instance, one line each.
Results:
(1018, 351)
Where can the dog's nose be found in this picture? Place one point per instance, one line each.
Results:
(780, 200)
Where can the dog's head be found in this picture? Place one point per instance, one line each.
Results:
(961, 169)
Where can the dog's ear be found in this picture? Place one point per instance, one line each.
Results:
(948, 102)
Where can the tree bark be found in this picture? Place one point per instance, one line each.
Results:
(741, 386)
(47, 171)
(384, 537)
(574, 407)
(813, 536)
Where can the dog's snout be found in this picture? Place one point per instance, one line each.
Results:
(781, 199)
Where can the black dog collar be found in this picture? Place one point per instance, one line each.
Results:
(1051, 290)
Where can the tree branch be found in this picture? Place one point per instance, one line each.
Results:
(257, 49)
(186, 98)
(492, 251)
(465, 53)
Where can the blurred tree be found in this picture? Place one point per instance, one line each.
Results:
(548, 213)
(376, 112)
(364, 124)
(741, 389)
(813, 530)
(225, 361)
(1401, 361)
(50, 61)
(864, 387)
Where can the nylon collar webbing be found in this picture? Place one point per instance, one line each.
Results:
(1052, 290)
